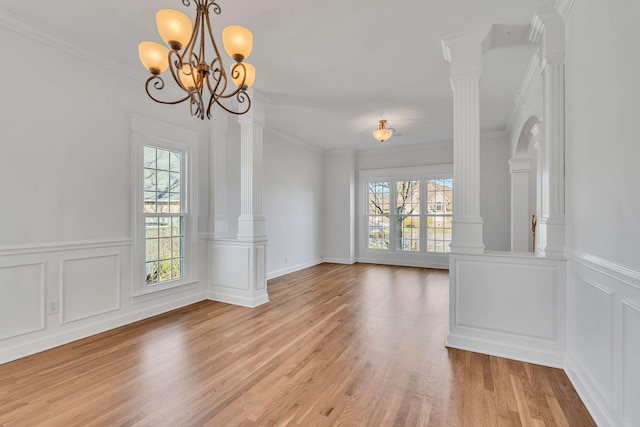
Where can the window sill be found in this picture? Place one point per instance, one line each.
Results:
(149, 293)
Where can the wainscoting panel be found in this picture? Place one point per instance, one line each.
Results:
(261, 274)
(237, 272)
(22, 299)
(603, 351)
(631, 364)
(509, 305)
(231, 266)
(90, 286)
(523, 294)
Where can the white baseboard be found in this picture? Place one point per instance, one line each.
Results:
(508, 351)
(293, 268)
(441, 265)
(598, 409)
(243, 301)
(339, 260)
(65, 337)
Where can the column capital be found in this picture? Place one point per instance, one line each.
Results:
(257, 113)
(464, 50)
(548, 27)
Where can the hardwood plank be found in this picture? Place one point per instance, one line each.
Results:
(359, 345)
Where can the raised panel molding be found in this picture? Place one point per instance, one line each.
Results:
(509, 305)
(631, 363)
(230, 267)
(89, 286)
(22, 302)
(604, 330)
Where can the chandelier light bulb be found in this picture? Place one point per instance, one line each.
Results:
(237, 41)
(153, 56)
(174, 27)
(238, 72)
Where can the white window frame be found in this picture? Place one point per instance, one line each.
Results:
(420, 258)
(162, 135)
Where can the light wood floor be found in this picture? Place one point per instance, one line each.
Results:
(358, 345)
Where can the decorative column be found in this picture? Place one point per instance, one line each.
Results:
(218, 221)
(520, 170)
(251, 223)
(464, 52)
(549, 26)
(238, 266)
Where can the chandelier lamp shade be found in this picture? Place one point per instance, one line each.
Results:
(194, 62)
(383, 132)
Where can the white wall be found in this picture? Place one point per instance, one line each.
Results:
(339, 206)
(66, 217)
(602, 204)
(293, 205)
(495, 189)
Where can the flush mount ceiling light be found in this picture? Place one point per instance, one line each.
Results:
(383, 132)
(195, 74)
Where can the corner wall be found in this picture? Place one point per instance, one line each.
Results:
(603, 201)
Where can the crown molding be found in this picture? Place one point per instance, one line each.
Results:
(290, 139)
(22, 26)
(534, 70)
(564, 8)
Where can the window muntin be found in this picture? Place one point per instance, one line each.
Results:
(164, 214)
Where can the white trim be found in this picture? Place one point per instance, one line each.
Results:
(427, 263)
(38, 248)
(611, 269)
(345, 261)
(22, 26)
(243, 301)
(294, 268)
(433, 171)
(149, 131)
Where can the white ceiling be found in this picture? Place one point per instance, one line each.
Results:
(330, 69)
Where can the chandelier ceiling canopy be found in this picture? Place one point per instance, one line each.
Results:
(203, 79)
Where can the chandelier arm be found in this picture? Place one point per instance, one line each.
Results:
(158, 84)
(221, 73)
(216, 7)
(241, 97)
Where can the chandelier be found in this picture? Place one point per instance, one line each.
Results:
(204, 81)
(383, 132)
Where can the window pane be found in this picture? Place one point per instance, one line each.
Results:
(151, 227)
(175, 160)
(174, 182)
(176, 268)
(150, 179)
(151, 249)
(165, 248)
(378, 232)
(149, 202)
(163, 181)
(379, 198)
(163, 202)
(165, 271)
(149, 157)
(163, 160)
(177, 226)
(408, 228)
(152, 272)
(408, 197)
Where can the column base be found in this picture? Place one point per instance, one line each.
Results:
(467, 236)
(550, 237)
(251, 228)
(237, 272)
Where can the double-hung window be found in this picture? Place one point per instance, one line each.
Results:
(164, 226)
